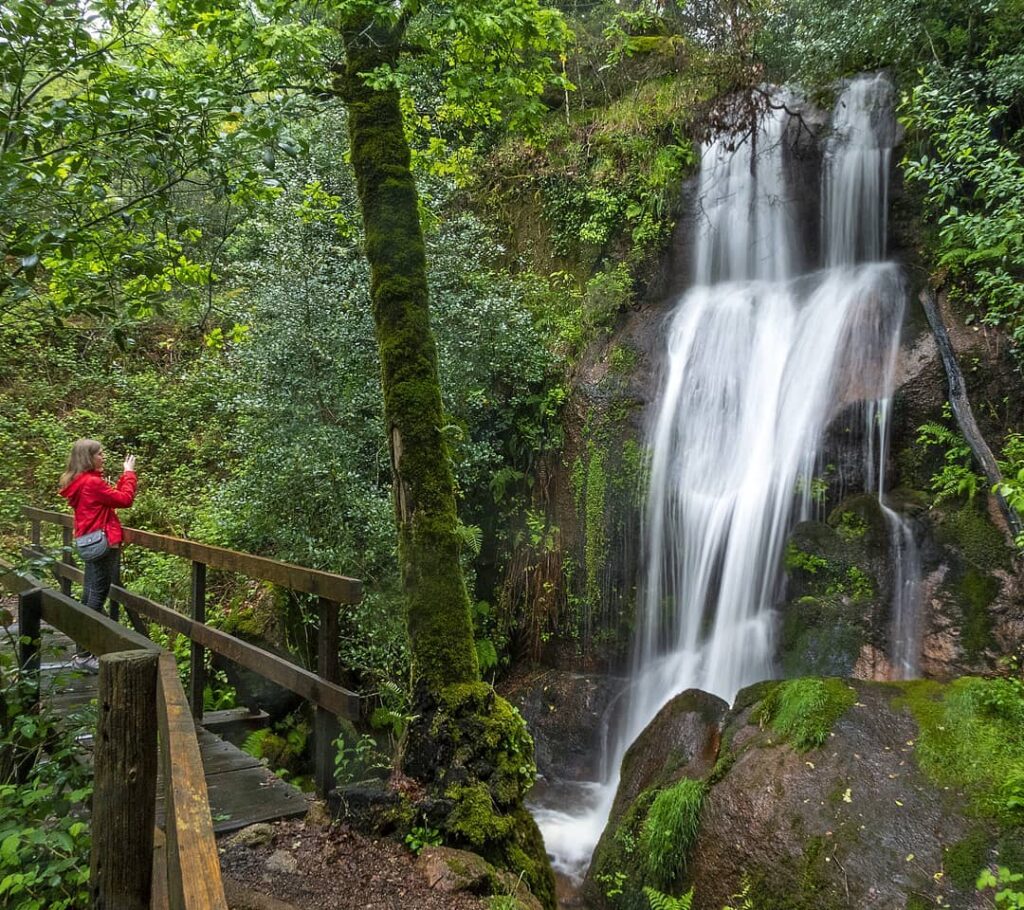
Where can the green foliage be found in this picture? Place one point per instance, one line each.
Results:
(594, 544)
(1012, 467)
(956, 479)
(423, 836)
(660, 901)
(44, 832)
(805, 710)
(1005, 884)
(670, 829)
(796, 559)
(359, 761)
(972, 180)
(969, 738)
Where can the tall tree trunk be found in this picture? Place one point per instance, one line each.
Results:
(468, 748)
(439, 622)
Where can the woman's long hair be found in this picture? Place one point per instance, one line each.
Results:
(83, 452)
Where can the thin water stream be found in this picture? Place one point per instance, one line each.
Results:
(761, 357)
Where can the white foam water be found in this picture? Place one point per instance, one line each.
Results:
(760, 359)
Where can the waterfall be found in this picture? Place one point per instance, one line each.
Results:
(760, 358)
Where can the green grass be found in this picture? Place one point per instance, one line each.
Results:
(805, 710)
(970, 737)
(670, 829)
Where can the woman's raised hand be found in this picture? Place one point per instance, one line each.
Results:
(129, 463)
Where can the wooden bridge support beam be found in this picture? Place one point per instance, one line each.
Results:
(197, 666)
(66, 558)
(326, 727)
(124, 795)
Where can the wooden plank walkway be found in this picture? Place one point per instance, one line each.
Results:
(242, 791)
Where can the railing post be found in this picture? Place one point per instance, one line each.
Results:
(30, 611)
(124, 795)
(37, 536)
(67, 559)
(30, 617)
(326, 730)
(197, 670)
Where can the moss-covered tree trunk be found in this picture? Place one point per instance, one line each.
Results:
(439, 622)
(468, 748)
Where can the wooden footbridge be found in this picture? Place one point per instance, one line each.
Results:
(163, 785)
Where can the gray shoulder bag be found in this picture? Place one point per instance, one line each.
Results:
(92, 546)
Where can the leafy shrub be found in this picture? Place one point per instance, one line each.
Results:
(44, 836)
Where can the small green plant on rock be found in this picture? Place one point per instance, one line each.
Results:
(660, 901)
(670, 829)
(1005, 884)
(422, 836)
(805, 710)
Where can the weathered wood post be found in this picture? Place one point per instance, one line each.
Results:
(30, 616)
(197, 668)
(124, 795)
(30, 612)
(66, 558)
(327, 728)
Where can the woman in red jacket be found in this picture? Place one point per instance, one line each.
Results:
(94, 502)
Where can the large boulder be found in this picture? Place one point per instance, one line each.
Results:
(565, 713)
(822, 794)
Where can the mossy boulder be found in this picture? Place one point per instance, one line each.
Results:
(662, 777)
(842, 810)
(836, 584)
(827, 794)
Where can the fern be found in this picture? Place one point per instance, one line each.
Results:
(253, 744)
(661, 901)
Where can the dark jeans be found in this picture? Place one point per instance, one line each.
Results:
(100, 574)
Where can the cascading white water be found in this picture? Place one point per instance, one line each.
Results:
(760, 359)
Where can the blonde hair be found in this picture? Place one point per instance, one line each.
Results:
(83, 453)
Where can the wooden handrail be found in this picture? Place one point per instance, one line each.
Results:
(193, 875)
(193, 864)
(337, 588)
(327, 695)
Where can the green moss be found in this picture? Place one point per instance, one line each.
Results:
(670, 830)
(976, 591)
(594, 543)
(800, 883)
(473, 819)
(623, 360)
(917, 902)
(805, 710)
(969, 530)
(963, 860)
(798, 560)
(851, 526)
(970, 737)
(474, 749)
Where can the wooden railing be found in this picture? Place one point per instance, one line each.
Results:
(322, 688)
(137, 682)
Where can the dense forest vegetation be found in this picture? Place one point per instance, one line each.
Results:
(188, 215)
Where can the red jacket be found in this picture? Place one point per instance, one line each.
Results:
(94, 501)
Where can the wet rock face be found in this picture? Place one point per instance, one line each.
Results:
(565, 713)
(851, 823)
(682, 742)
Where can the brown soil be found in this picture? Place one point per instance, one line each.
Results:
(336, 868)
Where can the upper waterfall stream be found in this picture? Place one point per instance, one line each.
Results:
(762, 354)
